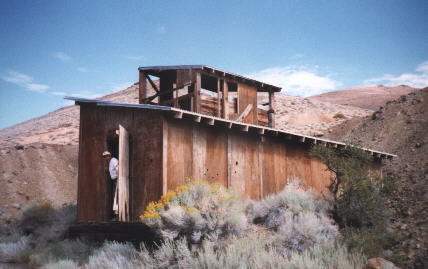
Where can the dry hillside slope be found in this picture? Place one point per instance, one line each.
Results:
(401, 127)
(368, 97)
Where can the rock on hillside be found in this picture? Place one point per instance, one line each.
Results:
(401, 127)
(368, 97)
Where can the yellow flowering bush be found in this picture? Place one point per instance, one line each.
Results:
(194, 209)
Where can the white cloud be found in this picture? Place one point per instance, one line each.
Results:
(423, 67)
(37, 87)
(62, 56)
(82, 69)
(417, 79)
(25, 81)
(135, 57)
(297, 56)
(17, 78)
(297, 80)
(59, 93)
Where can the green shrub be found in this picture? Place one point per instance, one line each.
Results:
(74, 250)
(298, 219)
(15, 251)
(360, 205)
(63, 264)
(339, 115)
(196, 210)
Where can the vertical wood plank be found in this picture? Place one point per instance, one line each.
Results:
(142, 87)
(164, 156)
(197, 93)
(247, 95)
(271, 111)
(229, 159)
(225, 99)
(260, 155)
(218, 107)
(123, 174)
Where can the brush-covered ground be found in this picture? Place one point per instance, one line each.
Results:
(202, 225)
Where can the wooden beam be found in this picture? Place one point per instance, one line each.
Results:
(245, 113)
(146, 100)
(178, 114)
(153, 84)
(210, 121)
(225, 99)
(171, 101)
(197, 93)
(142, 87)
(164, 156)
(230, 125)
(244, 128)
(218, 105)
(302, 139)
(123, 181)
(197, 118)
(271, 111)
(261, 131)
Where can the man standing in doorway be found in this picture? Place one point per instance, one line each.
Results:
(113, 167)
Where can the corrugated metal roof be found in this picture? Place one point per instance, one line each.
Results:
(261, 84)
(179, 113)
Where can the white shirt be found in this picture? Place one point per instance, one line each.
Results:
(112, 167)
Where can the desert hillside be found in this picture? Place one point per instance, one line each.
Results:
(368, 97)
(401, 127)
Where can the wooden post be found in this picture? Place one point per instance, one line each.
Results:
(124, 201)
(225, 99)
(142, 87)
(271, 111)
(196, 93)
(218, 107)
(164, 156)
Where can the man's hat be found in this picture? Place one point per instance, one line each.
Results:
(106, 153)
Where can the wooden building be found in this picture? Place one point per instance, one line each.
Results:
(177, 134)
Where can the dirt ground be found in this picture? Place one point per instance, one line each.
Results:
(401, 127)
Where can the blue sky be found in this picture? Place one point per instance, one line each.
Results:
(49, 49)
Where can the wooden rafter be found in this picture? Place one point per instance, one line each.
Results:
(152, 83)
(245, 113)
(146, 100)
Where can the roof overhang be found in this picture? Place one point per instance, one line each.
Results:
(261, 86)
(229, 124)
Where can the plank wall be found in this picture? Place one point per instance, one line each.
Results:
(254, 166)
(94, 191)
(164, 152)
(247, 95)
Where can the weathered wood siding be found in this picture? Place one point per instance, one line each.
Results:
(164, 152)
(246, 162)
(247, 95)
(94, 191)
